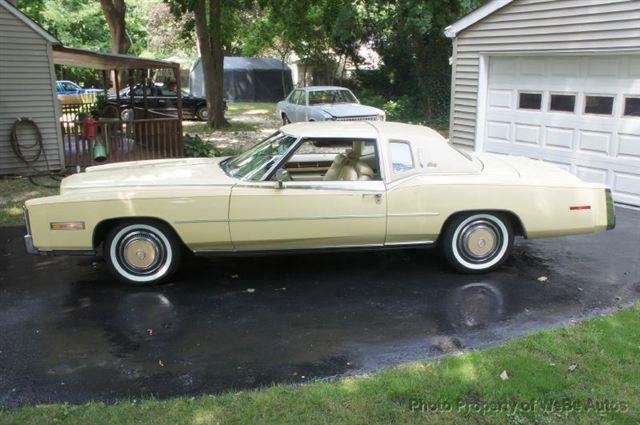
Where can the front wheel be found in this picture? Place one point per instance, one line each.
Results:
(285, 119)
(202, 113)
(142, 253)
(477, 242)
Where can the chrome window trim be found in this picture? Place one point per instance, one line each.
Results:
(301, 140)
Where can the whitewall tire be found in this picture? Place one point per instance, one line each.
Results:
(142, 253)
(477, 242)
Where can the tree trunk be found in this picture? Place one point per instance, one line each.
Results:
(209, 35)
(114, 13)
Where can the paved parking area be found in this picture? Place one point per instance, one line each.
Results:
(69, 332)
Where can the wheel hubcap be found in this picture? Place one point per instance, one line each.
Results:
(142, 252)
(479, 241)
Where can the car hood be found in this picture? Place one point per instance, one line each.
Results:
(153, 174)
(350, 110)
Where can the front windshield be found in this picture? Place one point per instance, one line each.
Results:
(257, 161)
(317, 97)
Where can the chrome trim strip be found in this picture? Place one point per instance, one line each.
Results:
(418, 214)
(223, 220)
(408, 243)
(311, 249)
(284, 250)
(398, 182)
(334, 217)
(110, 186)
(345, 186)
(310, 218)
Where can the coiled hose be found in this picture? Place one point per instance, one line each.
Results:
(30, 153)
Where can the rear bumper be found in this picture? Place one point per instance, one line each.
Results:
(611, 210)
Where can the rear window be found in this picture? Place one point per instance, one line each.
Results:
(401, 156)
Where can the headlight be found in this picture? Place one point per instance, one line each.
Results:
(381, 117)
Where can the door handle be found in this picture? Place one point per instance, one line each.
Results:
(376, 196)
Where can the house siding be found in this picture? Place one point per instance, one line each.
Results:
(27, 90)
(536, 26)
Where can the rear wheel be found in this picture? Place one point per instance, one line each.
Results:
(142, 253)
(477, 242)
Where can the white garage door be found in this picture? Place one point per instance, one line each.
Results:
(582, 113)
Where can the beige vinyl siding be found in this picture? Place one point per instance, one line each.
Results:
(536, 26)
(26, 90)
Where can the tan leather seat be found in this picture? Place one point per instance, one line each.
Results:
(350, 167)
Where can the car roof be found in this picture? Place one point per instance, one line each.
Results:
(362, 129)
(331, 129)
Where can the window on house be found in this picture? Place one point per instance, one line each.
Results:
(563, 103)
(601, 105)
(531, 101)
(401, 157)
(632, 107)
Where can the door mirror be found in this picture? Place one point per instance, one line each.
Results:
(282, 175)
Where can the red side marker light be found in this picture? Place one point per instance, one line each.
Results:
(580, 207)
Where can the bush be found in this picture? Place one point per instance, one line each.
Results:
(195, 146)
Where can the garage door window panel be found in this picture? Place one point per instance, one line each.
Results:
(632, 107)
(530, 101)
(598, 105)
(562, 103)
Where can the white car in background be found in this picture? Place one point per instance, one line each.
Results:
(325, 103)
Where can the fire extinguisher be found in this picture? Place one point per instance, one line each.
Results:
(99, 151)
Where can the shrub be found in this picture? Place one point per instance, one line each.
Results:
(196, 147)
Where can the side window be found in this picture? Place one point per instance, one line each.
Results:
(292, 98)
(333, 160)
(401, 157)
(632, 107)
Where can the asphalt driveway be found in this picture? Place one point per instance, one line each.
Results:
(69, 332)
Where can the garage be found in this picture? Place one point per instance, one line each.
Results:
(581, 113)
(555, 80)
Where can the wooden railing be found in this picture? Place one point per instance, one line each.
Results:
(135, 140)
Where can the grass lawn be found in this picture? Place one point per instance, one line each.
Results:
(13, 193)
(584, 373)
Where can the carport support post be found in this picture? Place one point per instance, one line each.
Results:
(176, 74)
(116, 80)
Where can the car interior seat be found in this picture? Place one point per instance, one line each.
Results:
(349, 166)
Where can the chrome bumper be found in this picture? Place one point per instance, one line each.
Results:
(28, 245)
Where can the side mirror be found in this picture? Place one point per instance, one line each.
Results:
(281, 176)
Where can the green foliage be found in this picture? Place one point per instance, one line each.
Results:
(195, 146)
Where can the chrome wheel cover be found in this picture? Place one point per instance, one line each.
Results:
(141, 253)
(480, 241)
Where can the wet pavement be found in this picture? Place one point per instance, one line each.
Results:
(69, 332)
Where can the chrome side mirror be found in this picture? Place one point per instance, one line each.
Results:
(281, 176)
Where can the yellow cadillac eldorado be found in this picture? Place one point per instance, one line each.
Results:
(313, 186)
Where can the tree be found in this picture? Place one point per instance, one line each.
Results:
(208, 15)
(115, 12)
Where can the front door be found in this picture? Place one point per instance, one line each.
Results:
(312, 214)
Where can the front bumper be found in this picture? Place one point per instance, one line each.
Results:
(28, 245)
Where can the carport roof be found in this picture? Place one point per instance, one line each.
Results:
(63, 55)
